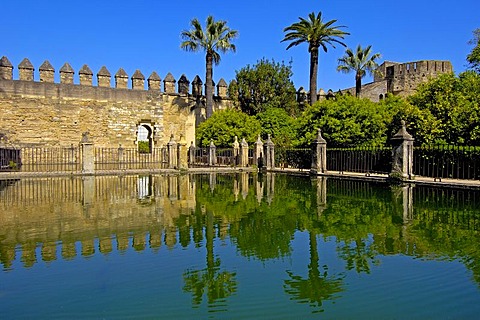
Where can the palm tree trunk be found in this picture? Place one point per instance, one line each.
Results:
(208, 85)
(313, 74)
(358, 85)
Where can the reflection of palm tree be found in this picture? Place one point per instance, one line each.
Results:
(358, 257)
(217, 284)
(318, 287)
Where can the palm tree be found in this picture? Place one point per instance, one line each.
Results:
(317, 34)
(215, 38)
(360, 62)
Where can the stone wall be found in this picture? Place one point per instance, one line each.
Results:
(401, 79)
(56, 114)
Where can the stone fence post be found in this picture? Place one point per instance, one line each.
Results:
(182, 153)
(269, 148)
(88, 154)
(236, 151)
(191, 154)
(402, 154)
(212, 154)
(172, 153)
(319, 154)
(121, 152)
(243, 153)
(258, 153)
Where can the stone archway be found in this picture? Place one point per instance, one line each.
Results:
(145, 137)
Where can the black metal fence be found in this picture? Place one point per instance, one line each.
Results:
(226, 157)
(442, 161)
(362, 160)
(200, 157)
(10, 159)
(130, 158)
(300, 158)
(40, 159)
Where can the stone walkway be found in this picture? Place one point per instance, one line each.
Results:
(445, 182)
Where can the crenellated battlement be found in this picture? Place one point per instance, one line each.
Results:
(422, 68)
(46, 73)
(401, 79)
(61, 105)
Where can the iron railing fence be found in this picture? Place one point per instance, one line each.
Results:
(10, 159)
(360, 159)
(297, 158)
(444, 161)
(130, 158)
(251, 157)
(226, 157)
(200, 157)
(41, 159)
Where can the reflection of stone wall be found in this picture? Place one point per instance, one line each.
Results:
(113, 214)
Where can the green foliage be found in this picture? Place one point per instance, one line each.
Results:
(455, 103)
(144, 146)
(279, 125)
(344, 121)
(12, 164)
(473, 57)
(223, 126)
(265, 85)
(421, 124)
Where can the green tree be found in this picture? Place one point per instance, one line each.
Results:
(224, 125)
(265, 85)
(421, 124)
(474, 57)
(215, 38)
(279, 125)
(316, 33)
(455, 103)
(345, 121)
(362, 61)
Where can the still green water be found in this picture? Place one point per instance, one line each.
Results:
(237, 246)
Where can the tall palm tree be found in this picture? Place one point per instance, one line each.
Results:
(317, 34)
(360, 62)
(215, 38)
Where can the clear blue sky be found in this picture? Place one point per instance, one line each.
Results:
(145, 35)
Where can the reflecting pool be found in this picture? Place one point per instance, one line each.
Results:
(240, 246)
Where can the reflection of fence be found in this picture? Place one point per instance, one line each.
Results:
(361, 160)
(129, 158)
(447, 162)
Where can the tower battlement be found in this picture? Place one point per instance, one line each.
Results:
(46, 74)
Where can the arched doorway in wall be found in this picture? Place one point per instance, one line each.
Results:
(145, 137)
(380, 97)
